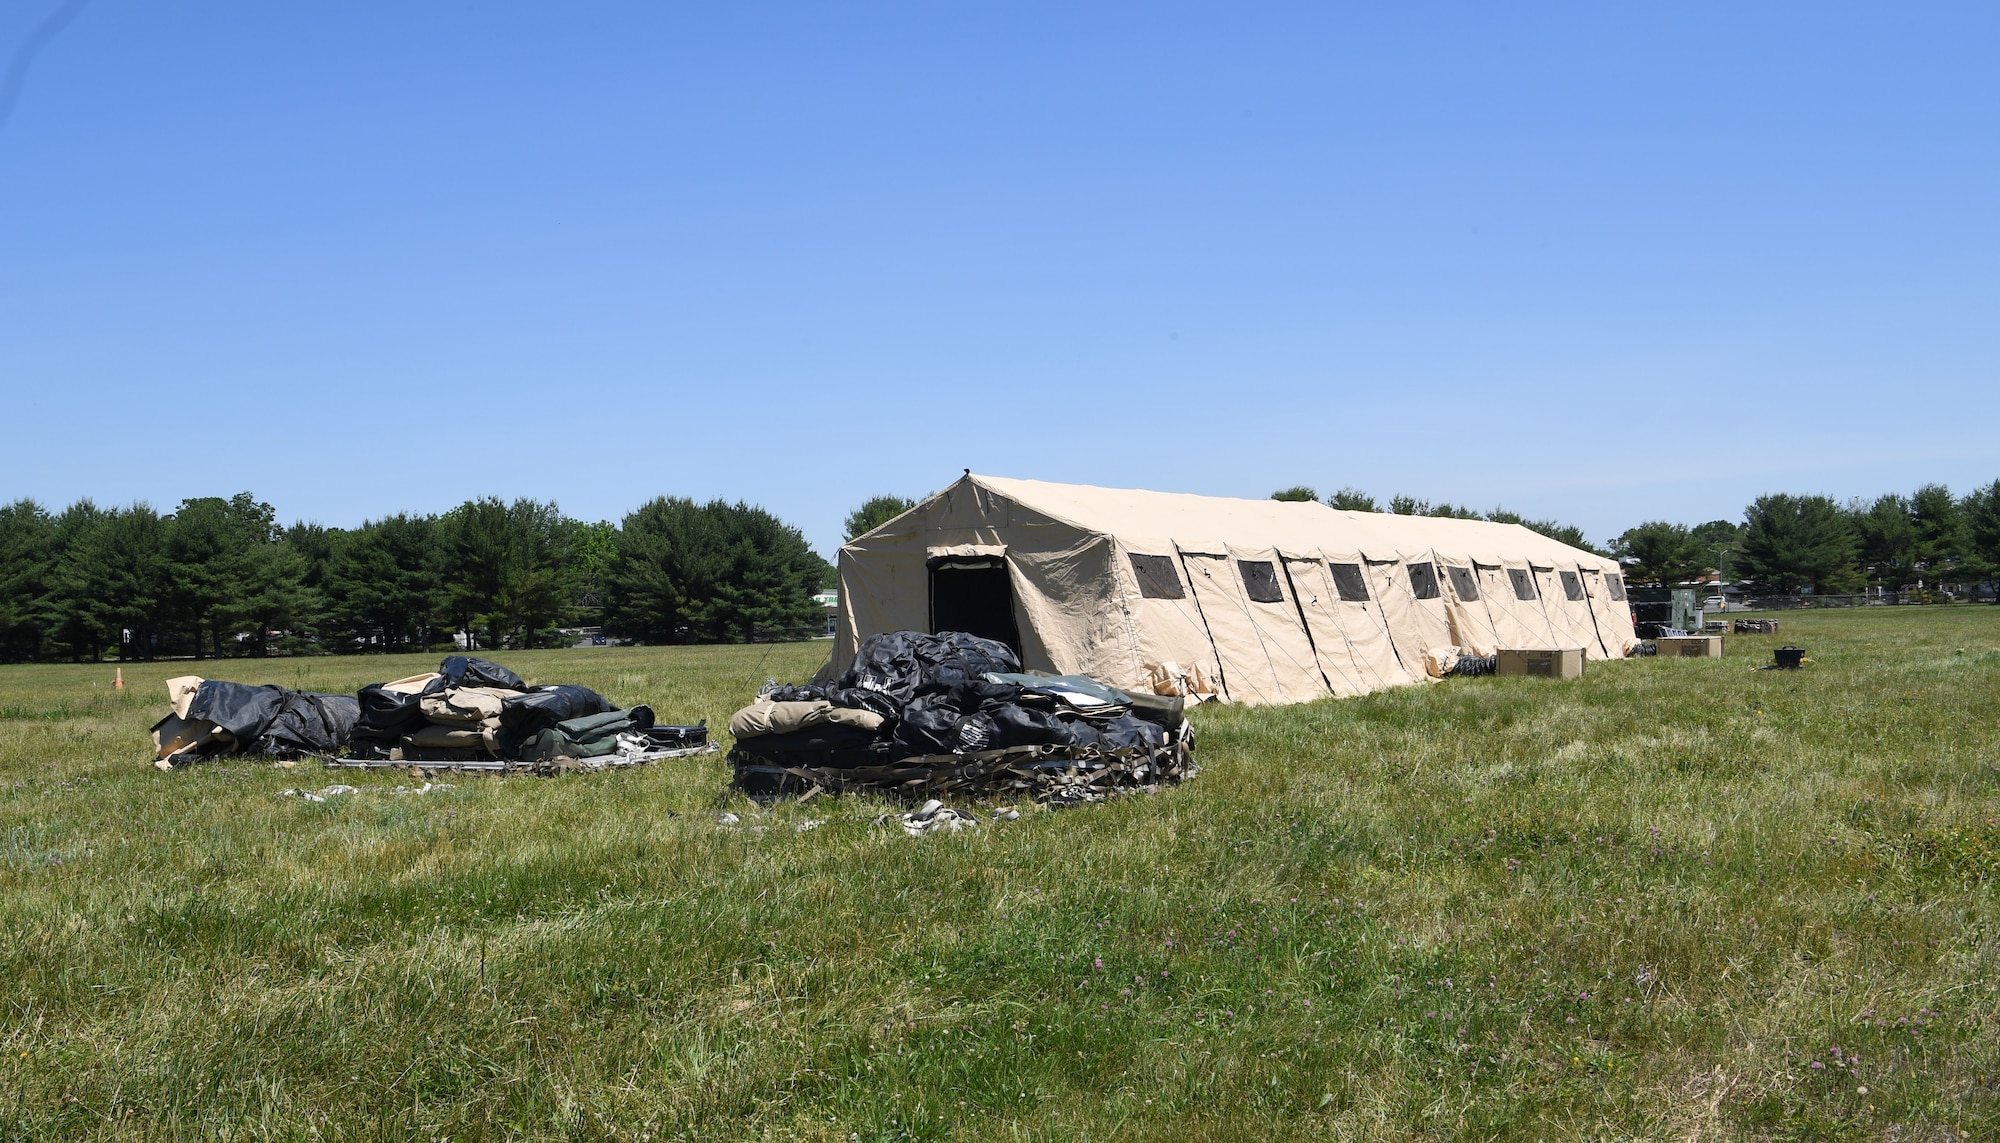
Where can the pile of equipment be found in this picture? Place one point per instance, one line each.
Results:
(469, 714)
(921, 714)
(472, 714)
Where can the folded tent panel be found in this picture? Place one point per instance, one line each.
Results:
(1426, 578)
(1305, 577)
(1366, 621)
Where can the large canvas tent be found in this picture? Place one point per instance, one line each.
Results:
(1265, 601)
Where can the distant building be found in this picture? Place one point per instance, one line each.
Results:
(831, 601)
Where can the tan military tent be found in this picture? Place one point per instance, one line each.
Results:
(1258, 601)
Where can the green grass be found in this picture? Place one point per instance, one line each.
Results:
(1636, 906)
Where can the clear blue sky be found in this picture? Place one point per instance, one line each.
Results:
(1605, 263)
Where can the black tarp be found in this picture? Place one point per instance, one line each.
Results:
(275, 720)
(466, 671)
(929, 726)
(905, 664)
(311, 724)
(1017, 725)
(386, 714)
(858, 699)
(950, 724)
(1025, 733)
(543, 707)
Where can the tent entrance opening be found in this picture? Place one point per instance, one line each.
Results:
(976, 597)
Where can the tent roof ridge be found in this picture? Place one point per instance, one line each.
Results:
(986, 482)
(1152, 517)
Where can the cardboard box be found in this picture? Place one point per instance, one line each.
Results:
(1564, 664)
(1690, 647)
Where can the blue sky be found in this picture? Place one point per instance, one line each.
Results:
(1603, 263)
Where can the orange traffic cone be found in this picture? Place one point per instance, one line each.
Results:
(119, 682)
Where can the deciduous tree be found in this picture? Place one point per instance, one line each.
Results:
(877, 511)
(1662, 552)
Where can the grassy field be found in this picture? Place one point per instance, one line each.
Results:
(1672, 900)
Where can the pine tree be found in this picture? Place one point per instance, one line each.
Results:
(27, 538)
(1793, 543)
(383, 584)
(711, 573)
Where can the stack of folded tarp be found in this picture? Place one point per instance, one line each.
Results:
(472, 712)
(919, 714)
(212, 717)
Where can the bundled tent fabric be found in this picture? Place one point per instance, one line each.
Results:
(476, 712)
(920, 714)
(391, 710)
(464, 671)
(1254, 601)
(588, 736)
(212, 717)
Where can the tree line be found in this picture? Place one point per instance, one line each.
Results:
(1785, 543)
(1788, 544)
(221, 577)
(1355, 500)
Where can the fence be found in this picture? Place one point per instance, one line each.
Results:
(1944, 593)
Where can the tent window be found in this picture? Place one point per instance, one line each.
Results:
(1572, 586)
(1423, 581)
(1157, 577)
(1260, 579)
(1463, 583)
(1348, 581)
(1617, 585)
(1524, 584)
